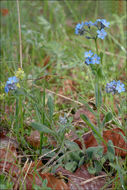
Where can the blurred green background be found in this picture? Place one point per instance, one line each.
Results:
(48, 29)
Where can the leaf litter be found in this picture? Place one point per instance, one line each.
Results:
(81, 179)
(114, 135)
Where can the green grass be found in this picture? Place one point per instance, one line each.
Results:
(47, 29)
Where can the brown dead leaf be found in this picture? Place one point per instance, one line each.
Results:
(53, 182)
(117, 139)
(89, 140)
(4, 12)
(71, 135)
(46, 60)
(10, 155)
(86, 112)
(68, 87)
(34, 139)
(18, 177)
(8, 148)
(4, 140)
(7, 110)
(82, 180)
(113, 135)
(10, 168)
(33, 166)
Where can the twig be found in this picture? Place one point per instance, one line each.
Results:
(50, 161)
(62, 96)
(26, 173)
(20, 40)
(47, 153)
(25, 164)
(92, 179)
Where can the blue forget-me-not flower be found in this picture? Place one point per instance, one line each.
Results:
(101, 24)
(104, 23)
(79, 29)
(101, 34)
(114, 87)
(88, 53)
(11, 84)
(63, 119)
(91, 58)
(88, 60)
(89, 24)
(95, 59)
(120, 87)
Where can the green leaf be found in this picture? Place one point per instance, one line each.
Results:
(50, 106)
(100, 73)
(48, 152)
(101, 56)
(110, 151)
(110, 147)
(81, 161)
(94, 129)
(19, 91)
(118, 108)
(72, 145)
(91, 170)
(75, 156)
(97, 165)
(42, 128)
(120, 171)
(71, 166)
(44, 23)
(88, 107)
(88, 122)
(94, 152)
(98, 95)
(107, 118)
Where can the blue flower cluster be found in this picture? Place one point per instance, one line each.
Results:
(114, 87)
(79, 29)
(11, 84)
(85, 28)
(91, 58)
(63, 120)
(99, 23)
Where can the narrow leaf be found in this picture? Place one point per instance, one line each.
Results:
(94, 129)
(88, 107)
(98, 95)
(42, 128)
(107, 118)
(50, 106)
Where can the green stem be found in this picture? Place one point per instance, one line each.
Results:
(112, 102)
(98, 100)
(98, 94)
(98, 117)
(16, 118)
(98, 105)
(21, 116)
(96, 46)
(43, 119)
(43, 114)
